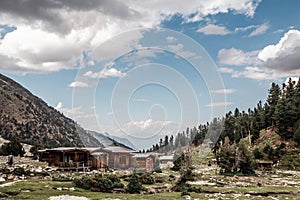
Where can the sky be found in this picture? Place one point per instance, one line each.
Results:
(145, 69)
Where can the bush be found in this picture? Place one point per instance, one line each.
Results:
(118, 185)
(103, 184)
(146, 179)
(5, 170)
(257, 154)
(134, 185)
(14, 148)
(100, 183)
(19, 171)
(84, 182)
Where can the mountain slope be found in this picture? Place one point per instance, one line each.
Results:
(108, 140)
(123, 141)
(33, 121)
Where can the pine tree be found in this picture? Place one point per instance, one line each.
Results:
(245, 160)
(297, 135)
(226, 156)
(273, 97)
(280, 118)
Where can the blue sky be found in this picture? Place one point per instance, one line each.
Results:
(143, 69)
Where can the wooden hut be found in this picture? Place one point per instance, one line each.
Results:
(119, 157)
(69, 158)
(144, 162)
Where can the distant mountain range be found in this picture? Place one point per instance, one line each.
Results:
(33, 121)
(108, 140)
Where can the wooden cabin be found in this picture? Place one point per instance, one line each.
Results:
(69, 158)
(144, 162)
(99, 160)
(264, 165)
(119, 157)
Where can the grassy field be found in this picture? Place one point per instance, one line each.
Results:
(39, 189)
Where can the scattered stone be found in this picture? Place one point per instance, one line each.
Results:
(72, 189)
(10, 178)
(67, 197)
(59, 188)
(2, 179)
(187, 197)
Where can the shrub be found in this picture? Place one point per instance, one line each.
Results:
(84, 182)
(103, 184)
(146, 179)
(118, 185)
(5, 170)
(19, 171)
(134, 185)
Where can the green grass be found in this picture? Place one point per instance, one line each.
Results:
(40, 189)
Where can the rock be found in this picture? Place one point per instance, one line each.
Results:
(31, 174)
(10, 177)
(72, 189)
(59, 188)
(187, 197)
(39, 170)
(2, 179)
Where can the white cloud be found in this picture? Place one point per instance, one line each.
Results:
(250, 72)
(77, 113)
(260, 30)
(110, 113)
(242, 29)
(79, 84)
(237, 57)
(219, 104)
(276, 61)
(223, 91)
(149, 128)
(171, 39)
(141, 100)
(179, 50)
(285, 55)
(51, 35)
(212, 29)
(105, 73)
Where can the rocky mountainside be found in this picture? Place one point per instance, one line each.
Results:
(33, 121)
(108, 140)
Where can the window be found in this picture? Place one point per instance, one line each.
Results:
(122, 160)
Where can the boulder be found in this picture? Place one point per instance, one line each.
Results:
(10, 178)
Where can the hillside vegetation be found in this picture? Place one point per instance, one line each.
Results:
(32, 121)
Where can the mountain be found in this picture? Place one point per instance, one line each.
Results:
(121, 140)
(33, 121)
(109, 140)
